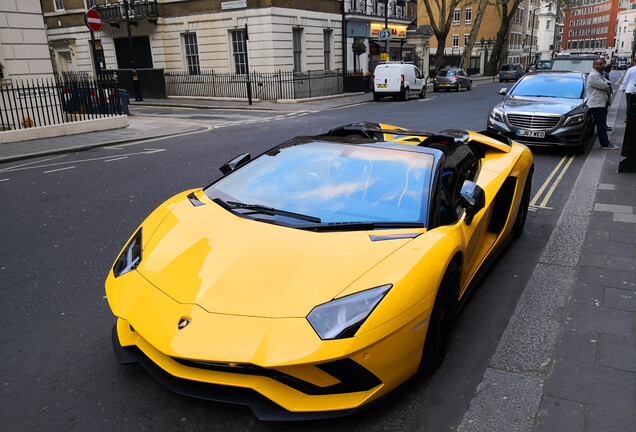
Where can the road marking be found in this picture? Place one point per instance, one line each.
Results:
(31, 163)
(1, 180)
(81, 161)
(116, 159)
(207, 129)
(59, 169)
(560, 169)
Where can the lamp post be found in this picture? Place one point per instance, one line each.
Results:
(136, 85)
(531, 37)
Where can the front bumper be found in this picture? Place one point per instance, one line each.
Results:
(560, 136)
(278, 367)
(262, 407)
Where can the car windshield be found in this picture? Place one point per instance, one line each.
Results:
(569, 87)
(544, 64)
(335, 182)
(507, 67)
(575, 65)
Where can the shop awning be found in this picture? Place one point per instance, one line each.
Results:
(395, 44)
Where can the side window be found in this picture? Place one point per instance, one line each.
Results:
(460, 165)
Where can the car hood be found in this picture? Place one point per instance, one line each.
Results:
(226, 264)
(539, 105)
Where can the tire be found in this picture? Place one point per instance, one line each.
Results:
(376, 97)
(522, 214)
(443, 318)
(470, 86)
(500, 80)
(435, 89)
(459, 87)
(404, 94)
(423, 92)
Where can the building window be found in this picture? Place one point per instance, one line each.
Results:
(192, 53)
(327, 48)
(468, 15)
(456, 15)
(455, 41)
(548, 23)
(89, 3)
(466, 36)
(58, 5)
(239, 51)
(297, 47)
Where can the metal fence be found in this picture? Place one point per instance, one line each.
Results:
(46, 102)
(264, 86)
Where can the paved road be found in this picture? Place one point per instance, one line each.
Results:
(66, 217)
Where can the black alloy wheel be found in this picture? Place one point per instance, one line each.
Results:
(423, 92)
(442, 321)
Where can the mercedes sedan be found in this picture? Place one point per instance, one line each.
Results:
(545, 108)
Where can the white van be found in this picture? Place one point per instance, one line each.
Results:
(398, 80)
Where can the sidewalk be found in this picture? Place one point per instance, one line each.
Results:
(567, 360)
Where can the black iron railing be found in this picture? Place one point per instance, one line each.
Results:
(46, 102)
(115, 13)
(397, 9)
(264, 86)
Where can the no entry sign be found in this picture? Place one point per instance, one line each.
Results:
(93, 20)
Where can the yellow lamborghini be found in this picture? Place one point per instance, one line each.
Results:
(317, 277)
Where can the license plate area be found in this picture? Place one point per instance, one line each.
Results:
(381, 85)
(530, 133)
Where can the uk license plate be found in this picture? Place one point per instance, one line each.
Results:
(381, 85)
(530, 133)
(443, 85)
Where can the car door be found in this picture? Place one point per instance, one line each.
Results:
(419, 80)
(459, 165)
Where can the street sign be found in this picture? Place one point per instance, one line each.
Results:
(384, 34)
(93, 20)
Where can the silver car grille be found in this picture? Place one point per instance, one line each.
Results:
(526, 121)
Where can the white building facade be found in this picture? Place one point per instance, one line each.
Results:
(24, 52)
(191, 35)
(626, 31)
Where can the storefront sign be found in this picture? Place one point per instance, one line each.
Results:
(237, 4)
(397, 31)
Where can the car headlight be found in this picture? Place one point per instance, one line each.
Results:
(497, 114)
(341, 318)
(574, 119)
(130, 257)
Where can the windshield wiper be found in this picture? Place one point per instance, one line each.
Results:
(232, 205)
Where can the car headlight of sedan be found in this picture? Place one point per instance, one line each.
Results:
(574, 119)
(130, 257)
(342, 317)
(497, 114)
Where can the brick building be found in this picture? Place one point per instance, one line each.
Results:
(590, 26)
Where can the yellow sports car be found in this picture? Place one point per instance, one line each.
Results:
(316, 278)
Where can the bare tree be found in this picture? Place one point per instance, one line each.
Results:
(506, 10)
(440, 15)
(474, 31)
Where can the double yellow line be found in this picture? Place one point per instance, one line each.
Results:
(557, 174)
